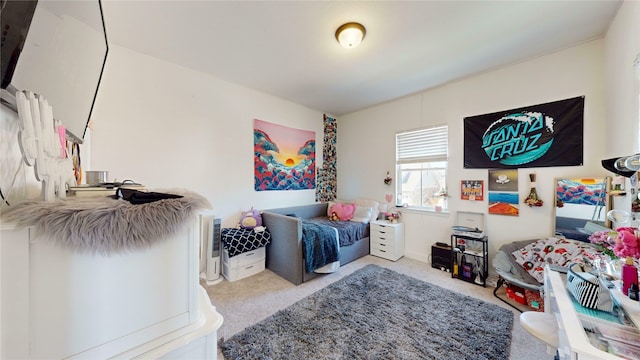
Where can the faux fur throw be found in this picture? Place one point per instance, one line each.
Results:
(105, 225)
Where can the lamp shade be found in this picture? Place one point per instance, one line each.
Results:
(350, 35)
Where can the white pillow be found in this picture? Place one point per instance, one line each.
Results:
(374, 205)
(362, 214)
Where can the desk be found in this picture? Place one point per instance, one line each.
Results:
(573, 340)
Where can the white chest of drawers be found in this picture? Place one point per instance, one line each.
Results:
(387, 239)
(243, 265)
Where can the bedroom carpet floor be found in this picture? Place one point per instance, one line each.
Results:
(245, 302)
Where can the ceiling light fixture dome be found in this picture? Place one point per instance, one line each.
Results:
(350, 35)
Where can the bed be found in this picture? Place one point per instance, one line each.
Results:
(285, 253)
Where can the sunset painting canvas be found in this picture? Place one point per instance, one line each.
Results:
(284, 158)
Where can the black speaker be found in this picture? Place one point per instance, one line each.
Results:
(441, 257)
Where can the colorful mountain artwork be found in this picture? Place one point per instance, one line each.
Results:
(581, 191)
(284, 158)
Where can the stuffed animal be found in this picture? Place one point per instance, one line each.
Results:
(250, 219)
(334, 217)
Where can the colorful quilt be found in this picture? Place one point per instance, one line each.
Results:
(553, 251)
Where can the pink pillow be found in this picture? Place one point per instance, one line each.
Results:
(343, 211)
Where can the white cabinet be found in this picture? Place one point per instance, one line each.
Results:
(243, 265)
(387, 239)
(58, 303)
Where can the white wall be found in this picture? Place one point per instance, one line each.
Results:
(366, 143)
(170, 127)
(622, 46)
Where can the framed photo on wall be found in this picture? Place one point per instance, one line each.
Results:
(503, 192)
(472, 190)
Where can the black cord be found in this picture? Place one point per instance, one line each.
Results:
(3, 198)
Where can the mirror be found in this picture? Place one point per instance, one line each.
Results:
(581, 207)
(625, 203)
(62, 57)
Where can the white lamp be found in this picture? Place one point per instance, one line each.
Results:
(350, 35)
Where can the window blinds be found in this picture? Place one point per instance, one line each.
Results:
(422, 145)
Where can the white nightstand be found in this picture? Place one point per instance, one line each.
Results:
(387, 239)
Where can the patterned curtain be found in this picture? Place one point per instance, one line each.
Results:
(326, 178)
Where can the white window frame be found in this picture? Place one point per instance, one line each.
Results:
(421, 147)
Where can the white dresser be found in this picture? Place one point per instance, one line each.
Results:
(58, 303)
(387, 239)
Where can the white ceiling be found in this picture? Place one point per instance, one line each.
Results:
(288, 48)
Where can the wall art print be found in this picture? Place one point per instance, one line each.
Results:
(472, 190)
(503, 192)
(586, 191)
(326, 177)
(284, 157)
(542, 135)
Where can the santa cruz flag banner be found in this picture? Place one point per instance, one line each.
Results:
(534, 136)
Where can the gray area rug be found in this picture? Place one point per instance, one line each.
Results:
(377, 313)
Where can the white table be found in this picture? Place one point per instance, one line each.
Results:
(572, 337)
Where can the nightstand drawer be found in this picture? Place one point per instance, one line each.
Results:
(241, 272)
(382, 243)
(245, 258)
(383, 227)
(383, 253)
(383, 232)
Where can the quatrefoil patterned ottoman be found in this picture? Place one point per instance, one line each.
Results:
(244, 252)
(237, 240)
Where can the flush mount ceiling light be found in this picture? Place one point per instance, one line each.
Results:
(350, 35)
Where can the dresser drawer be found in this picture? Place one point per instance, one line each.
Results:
(383, 253)
(381, 243)
(243, 259)
(241, 272)
(383, 232)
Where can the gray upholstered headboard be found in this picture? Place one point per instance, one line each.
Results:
(303, 211)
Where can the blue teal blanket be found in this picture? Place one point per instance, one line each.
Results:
(348, 231)
(319, 244)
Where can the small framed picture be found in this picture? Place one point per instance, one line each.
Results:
(472, 190)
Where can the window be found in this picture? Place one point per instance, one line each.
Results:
(421, 168)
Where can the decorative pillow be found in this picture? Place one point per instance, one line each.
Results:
(362, 214)
(374, 205)
(344, 212)
(331, 203)
(250, 219)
